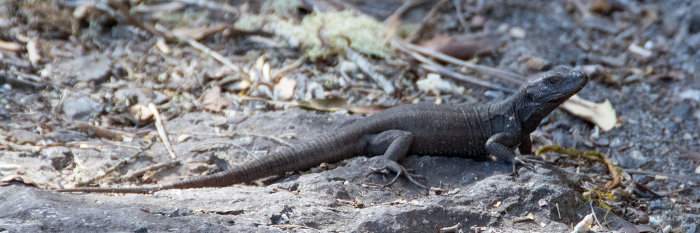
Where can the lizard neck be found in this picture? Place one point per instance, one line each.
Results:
(527, 112)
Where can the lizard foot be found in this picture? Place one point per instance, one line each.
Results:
(526, 161)
(386, 166)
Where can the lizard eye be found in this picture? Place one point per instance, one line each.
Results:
(554, 80)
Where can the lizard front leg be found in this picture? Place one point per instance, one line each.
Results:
(394, 146)
(501, 145)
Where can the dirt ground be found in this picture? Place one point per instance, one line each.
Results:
(90, 90)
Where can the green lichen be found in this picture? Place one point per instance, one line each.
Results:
(337, 30)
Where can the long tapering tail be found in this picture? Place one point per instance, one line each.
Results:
(329, 148)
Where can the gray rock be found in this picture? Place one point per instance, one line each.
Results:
(81, 107)
(91, 68)
(25, 137)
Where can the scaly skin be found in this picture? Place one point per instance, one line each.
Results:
(441, 130)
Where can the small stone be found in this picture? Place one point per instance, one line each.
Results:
(694, 41)
(238, 86)
(477, 21)
(655, 220)
(602, 7)
(536, 63)
(434, 83)
(697, 170)
(689, 227)
(658, 204)
(667, 229)
(603, 141)
(284, 89)
(517, 32)
(687, 136)
(91, 68)
(680, 111)
(25, 137)
(639, 51)
(81, 107)
(634, 159)
(60, 157)
(690, 94)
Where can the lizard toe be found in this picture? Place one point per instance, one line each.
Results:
(384, 166)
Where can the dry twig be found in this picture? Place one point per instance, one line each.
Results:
(615, 172)
(426, 21)
(498, 73)
(161, 130)
(152, 168)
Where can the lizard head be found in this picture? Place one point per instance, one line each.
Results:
(546, 91)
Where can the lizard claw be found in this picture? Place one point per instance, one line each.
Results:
(388, 166)
(527, 162)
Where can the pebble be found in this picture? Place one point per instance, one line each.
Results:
(690, 227)
(477, 21)
(602, 142)
(616, 142)
(633, 159)
(536, 63)
(658, 204)
(517, 32)
(25, 137)
(91, 68)
(81, 107)
(690, 94)
(60, 157)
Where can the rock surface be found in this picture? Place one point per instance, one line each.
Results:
(341, 199)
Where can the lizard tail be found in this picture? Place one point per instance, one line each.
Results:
(304, 156)
(142, 189)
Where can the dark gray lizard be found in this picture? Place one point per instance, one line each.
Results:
(424, 129)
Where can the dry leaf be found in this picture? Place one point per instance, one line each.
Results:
(284, 89)
(162, 45)
(141, 113)
(199, 33)
(33, 51)
(10, 46)
(434, 83)
(335, 104)
(463, 47)
(602, 114)
(584, 225)
(212, 99)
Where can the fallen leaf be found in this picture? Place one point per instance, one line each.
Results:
(141, 114)
(434, 83)
(162, 45)
(33, 51)
(602, 114)
(10, 46)
(284, 89)
(464, 47)
(336, 104)
(584, 225)
(212, 99)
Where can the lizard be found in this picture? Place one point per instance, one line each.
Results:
(478, 131)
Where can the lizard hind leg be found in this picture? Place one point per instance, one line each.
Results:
(394, 146)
